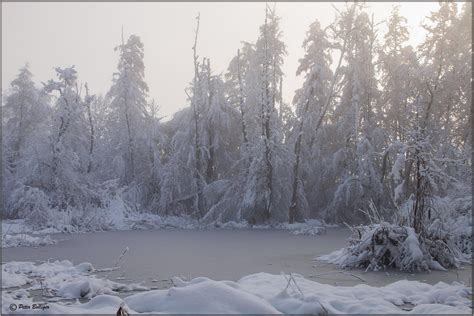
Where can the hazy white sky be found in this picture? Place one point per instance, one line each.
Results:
(49, 35)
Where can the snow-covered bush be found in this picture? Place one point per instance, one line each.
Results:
(378, 247)
(32, 204)
(381, 246)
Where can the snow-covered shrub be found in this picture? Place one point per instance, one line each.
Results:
(462, 234)
(32, 204)
(381, 246)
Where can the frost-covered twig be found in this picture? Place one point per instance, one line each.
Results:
(341, 272)
(125, 250)
(291, 278)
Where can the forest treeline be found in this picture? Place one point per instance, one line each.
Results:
(377, 123)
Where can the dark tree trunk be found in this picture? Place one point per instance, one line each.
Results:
(294, 197)
(241, 101)
(91, 130)
(197, 159)
(266, 134)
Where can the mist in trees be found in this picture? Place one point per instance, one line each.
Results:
(376, 122)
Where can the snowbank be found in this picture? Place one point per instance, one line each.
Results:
(119, 215)
(62, 279)
(200, 295)
(19, 233)
(19, 273)
(15, 226)
(118, 218)
(265, 293)
(309, 227)
(305, 296)
(25, 240)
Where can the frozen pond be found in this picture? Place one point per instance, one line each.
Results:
(157, 255)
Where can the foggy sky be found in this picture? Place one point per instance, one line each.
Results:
(49, 35)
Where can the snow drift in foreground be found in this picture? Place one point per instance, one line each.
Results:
(61, 279)
(260, 293)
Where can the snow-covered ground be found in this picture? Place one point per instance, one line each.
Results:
(260, 293)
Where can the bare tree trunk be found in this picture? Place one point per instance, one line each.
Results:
(211, 168)
(294, 196)
(91, 128)
(331, 90)
(197, 154)
(130, 144)
(63, 127)
(241, 100)
(266, 129)
(131, 150)
(384, 166)
(281, 99)
(418, 208)
(18, 144)
(422, 188)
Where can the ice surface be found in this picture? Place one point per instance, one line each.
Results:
(218, 254)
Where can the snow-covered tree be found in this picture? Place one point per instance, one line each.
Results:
(264, 187)
(25, 132)
(128, 111)
(357, 116)
(446, 75)
(397, 63)
(70, 144)
(376, 125)
(399, 71)
(427, 169)
(312, 103)
(202, 146)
